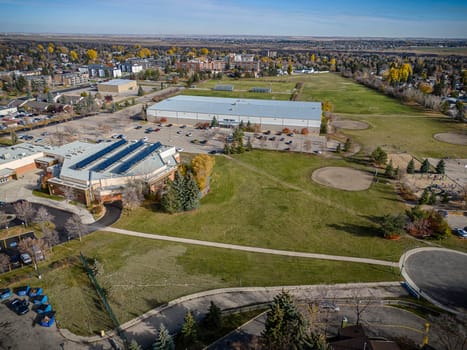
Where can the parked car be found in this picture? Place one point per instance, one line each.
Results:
(180, 149)
(183, 127)
(138, 127)
(288, 142)
(460, 232)
(157, 129)
(189, 134)
(328, 306)
(5, 293)
(25, 258)
(15, 262)
(20, 306)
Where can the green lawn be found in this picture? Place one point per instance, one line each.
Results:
(236, 94)
(408, 133)
(141, 274)
(277, 85)
(250, 208)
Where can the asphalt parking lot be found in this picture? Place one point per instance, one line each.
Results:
(183, 137)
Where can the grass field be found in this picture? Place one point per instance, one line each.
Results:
(141, 274)
(236, 94)
(408, 133)
(249, 205)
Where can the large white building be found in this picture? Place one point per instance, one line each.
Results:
(231, 111)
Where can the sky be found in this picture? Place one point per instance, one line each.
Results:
(357, 18)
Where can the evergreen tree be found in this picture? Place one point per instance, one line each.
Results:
(226, 148)
(432, 198)
(425, 196)
(249, 146)
(140, 91)
(163, 340)
(172, 200)
(241, 126)
(214, 122)
(189, 332)
(14, 137)
(425, 166)
(379, 156)
(191, 193)
(440, 167)
(134, 345)
(285, 325)
(50, 97)
(347, 145)
(213, 319)
(389, 172)
(411, 167)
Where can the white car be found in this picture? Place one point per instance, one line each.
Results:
(25, 258)
(180, 149)
(328, 306)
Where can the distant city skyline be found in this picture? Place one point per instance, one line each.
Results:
(365, 18)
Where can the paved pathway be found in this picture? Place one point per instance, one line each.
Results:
(250, 249)
(143, 328)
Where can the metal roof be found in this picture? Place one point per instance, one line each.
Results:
(241, 107)
(116, 82)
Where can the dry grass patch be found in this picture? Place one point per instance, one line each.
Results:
(343, 178)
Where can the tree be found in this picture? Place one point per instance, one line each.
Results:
(24, 211)
(140, 91)
(411, 167)
(50, 236)
(379, 156)
(43, 217)
(163, 340)
(68, 192)
(285, 325)
(14, 137)
(392, 225)
(425, 167)
(347, 145)
(4, 263)
(202, 166)
(191, 193)
(73, 56)
(134, 345)
(189, 332)
(389, 171)
(450, 332)
(425, 196)
(289, 69)
(204, 51)
(213, 319)
(173, 199)
(440, 167)
(214, 122)
(75, 227)
(132, 195)
(92, 55)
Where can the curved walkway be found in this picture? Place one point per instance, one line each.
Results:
(143, 328)
(250, 249)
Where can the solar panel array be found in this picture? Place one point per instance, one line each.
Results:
(88, 160)
(117, 156)
(223, 88)
(261, 89)
(136, 158)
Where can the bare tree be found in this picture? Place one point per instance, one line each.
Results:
(24, 211)
(43, 217)
(450, 332)
(132, 195)
(34, 247)
(361, 305)
(68, 193)
(50, 236)
(4, 263)
(75, 227)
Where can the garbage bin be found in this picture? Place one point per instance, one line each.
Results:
(344, 322)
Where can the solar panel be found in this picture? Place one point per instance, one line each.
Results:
(93, 157)
(136, 158)
(261, 89)
(117, 156)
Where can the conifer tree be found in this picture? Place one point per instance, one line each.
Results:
(189, 332)
(191, 193)
(411, 167)
(440, 167)
(425, 166)
(389, 172)
(163, 341)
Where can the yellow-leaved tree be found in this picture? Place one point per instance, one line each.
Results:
(202, 166)
(92, 54)
(73, 55)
